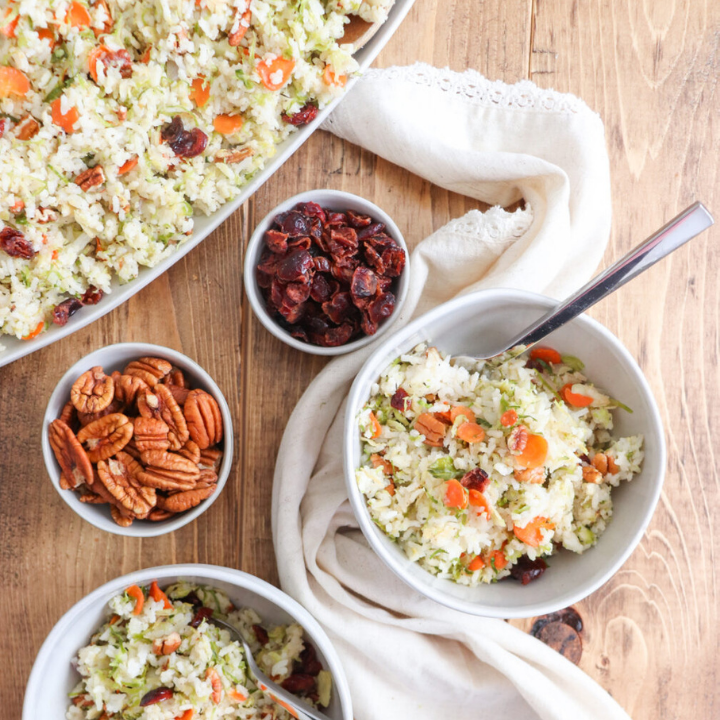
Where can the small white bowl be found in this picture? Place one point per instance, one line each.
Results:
(338, 201)
(116, 357)
(53, 676)
(466, 326)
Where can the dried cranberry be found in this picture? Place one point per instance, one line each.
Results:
(193, 599)
(295, 224)
(121, 60)
(191, 143)
(316, 228)
(92, 296)
(299, 684)
(261, 634)
(399, 400)
(371, 230)
(304, 116)
(382, 307)
(303, 243)
(295, 267)
(291, 312)
(384, 255)
(364, 284)
(276, 241)
(476, 479)
(357, 220)
(334, 337)
(297, 293)
(368, 325)
(155, 696)
(527, 570)
(15, 244)
(202, 614)
(299, 333)
(320, 291)
(308, 659)
(533, 364)
(343, 242)
(172, 132)
(322, 264)
(336, 218)
(338, 307)
(344, 271)
(3, 126)
(384, 283)
(65, 310)
(312, 210)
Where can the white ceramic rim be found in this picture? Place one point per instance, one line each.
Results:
(140, 528)
(356, 399)
(16, 349)
(229, 575)
(325, 198)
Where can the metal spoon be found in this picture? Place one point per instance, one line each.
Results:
(294, 705)
(689, 223)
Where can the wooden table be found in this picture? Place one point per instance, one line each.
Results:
(650, 69)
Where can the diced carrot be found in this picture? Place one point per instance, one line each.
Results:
(379, 461)
(17, 207)
(159, 596)
(78, 16)
(276, 73)
(534, 453)
(444, 416)
(47, 34)
(331, 78)
(13, 82)
(135, 592)
(376, 426)
(97, 54)
(390, 489)
(531, 534)
(54, 254)
(477, 499)
(66, 121)
(216, 683)
(145, 57)
(244, 25)
(228, 124)
(187, 715)
(574, 399)
(499, 559)
(477, 563)
(462, 410)
(114, 619)
(236, 695)
(455, 496)
(9, 30)
(200, 91)
(126, 167)
(36, 331)
(432, 428)
(508, 418)
(546, 354)
(471, 432)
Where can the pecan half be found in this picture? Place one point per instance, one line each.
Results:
(530, 475)
(204, 420)
(591, 475)
(90, 178)
(167, 471)
(179, 393)
(207, 479)
(128, 387)
(150, 434)
(114, 407)
(517, 439)
(106, 436)
(176, 377)
(160, 403)
(93, 391)
(123, 519)
(167, 645)
(151, 370)
(159, 515)
(69, 415)
(210, 459)
(119, 475)
(92, 499)
(27, 128)
(69, 453)
(63, 482)
(132, 450)
(191, 451)
(43, 216)
(179, 502)
(235, 155)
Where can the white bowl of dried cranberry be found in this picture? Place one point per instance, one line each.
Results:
(189, 465)
(327, 272)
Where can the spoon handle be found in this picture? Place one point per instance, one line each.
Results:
(689, 223)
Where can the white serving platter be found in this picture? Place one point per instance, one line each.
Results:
(13, 349)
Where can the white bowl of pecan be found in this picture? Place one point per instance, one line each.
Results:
(137, 439)
(327, 272)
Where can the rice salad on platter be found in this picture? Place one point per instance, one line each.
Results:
(167, 662)
(121, 120)
(479, 471)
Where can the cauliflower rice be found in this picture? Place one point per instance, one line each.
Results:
(123, 662)
(419, 495)
(289, 56)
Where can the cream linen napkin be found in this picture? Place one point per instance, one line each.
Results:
(406, 656)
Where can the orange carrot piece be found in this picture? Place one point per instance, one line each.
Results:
(228, 124)
(54, 254)
(477, 499)
(444, 416)
(187, 715)
(574, 399)
(380, 461)
(499, 559)
(376, 426)
(66, 121)
(276, 73)
(126, 167)
(531, 534)
(114, 619)
(534, 453)
(471, 432)
(13, 82)
(508, 418)
(236, 695)
(462, 410)
(455, 496)
(17, 207)
(330, 77)
(47, 34)
(36, 331)
(477, 563)
(216, 683)
(145, 57)
(78, 16)
(96, 55)
(390, 489)
(546, 354)
(135, 592)
(200, 91)
(9, 30)
(159, 596)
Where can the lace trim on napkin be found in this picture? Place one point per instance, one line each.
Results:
(495, 226)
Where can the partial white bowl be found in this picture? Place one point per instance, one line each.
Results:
(466, 326)
(338, 201)
(116, 357)
(53, 676)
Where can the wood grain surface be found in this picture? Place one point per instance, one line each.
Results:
(650, 68)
